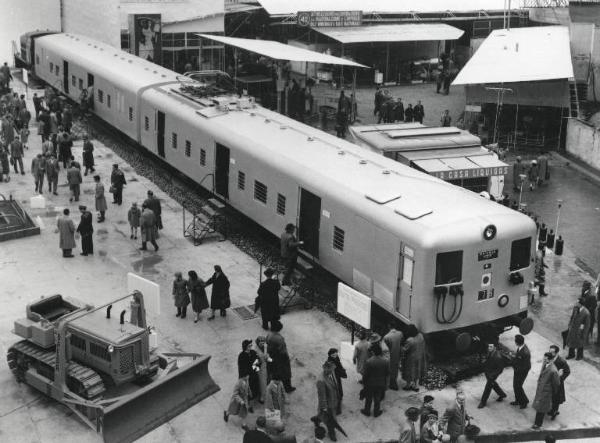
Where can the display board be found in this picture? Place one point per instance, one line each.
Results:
(354, 305)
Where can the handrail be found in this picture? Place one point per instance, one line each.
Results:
(210, 174)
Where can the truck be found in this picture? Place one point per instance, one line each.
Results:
(106, 370)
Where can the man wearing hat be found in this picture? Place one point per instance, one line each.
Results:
(88, 155)
(375, 376)
(579, 326)
(74, 179)
(518, 170)
(327, 392)
(340, 372)
(408, 433)
(153, 203)
(86, 230)
(456, 418)
(427, 409)
(52, 168)
(268, 299)
(16, 154)
(117, 181)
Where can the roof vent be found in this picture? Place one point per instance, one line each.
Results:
(267, 120)
(116, 55)
(341, 152)
(252, 114)
(156, 72)
(310, 139)
(362, 162)
(95, 46)
(163, 76)
(130, 61)
(385, 172)
(283, 127)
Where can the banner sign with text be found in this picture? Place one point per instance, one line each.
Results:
(329, 19)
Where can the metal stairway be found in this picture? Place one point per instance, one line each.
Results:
(574, 99)
(205, 221)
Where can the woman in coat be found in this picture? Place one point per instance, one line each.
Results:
(238, 405)
(263, 357)
(275, 395)
(100, 199)
(219, 298)
(195, 287)
(66, 231)
(547, 386)
(248, 362)
(180, 295)
(414, 358)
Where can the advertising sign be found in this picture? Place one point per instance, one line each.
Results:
(145, 39)
(470, 173)
(329, 19)
(354, 305)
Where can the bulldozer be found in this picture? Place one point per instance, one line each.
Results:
(106, 370)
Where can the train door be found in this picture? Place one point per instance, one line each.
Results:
(404, 290)
(222, 171)
(160, 133)
(309, 221)
(66, 76)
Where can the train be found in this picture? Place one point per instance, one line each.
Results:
(429, 253)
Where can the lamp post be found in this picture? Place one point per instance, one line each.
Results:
(522, 177)
(559, 201)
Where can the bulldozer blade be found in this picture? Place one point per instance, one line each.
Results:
(136, 414)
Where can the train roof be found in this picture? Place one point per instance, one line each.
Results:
(109, 62)
(383, 189)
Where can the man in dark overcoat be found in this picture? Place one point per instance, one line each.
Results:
(493, 367)
(327, 393)
(547, 387)
(86, 230)
(153, 203)
(521, 366)
(590, 302)
(268, 299)
(419, 112)
(88, 155)
(64, 149)
(277, 350)
(563, 372)
(375, 378)
(117, 181)
(393, 340)
(148, 228)
(74, 179)
(456, 418)
(66, 231)
(219, 297)
(339, 371)
(579, 326)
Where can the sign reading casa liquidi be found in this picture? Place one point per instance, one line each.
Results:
(329, 19)
(354, 305)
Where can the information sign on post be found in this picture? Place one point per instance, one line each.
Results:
(354, 305)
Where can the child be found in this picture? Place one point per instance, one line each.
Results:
(24, 132)
(133, 216)
(4, 164)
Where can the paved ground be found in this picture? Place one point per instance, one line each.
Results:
(32, 267)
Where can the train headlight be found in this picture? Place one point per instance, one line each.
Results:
(489, 232)
(503, 300)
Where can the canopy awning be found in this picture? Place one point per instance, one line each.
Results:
(520, 55)
(280, 51)
(409, 32)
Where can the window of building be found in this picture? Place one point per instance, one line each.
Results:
(520, 253)
(338, 239)
(174, 140)
(130, 114)
(188, 148)
(192, 40)
(77, 342)
(146, 123)
(241, 181)
(202, 157)
(80, 84)
(448, 267)
(73, 81)
(260, 191)
(281, 204)
(125, 41)
(100, 96)
(56, 70)
(108, 100)
(51, 67)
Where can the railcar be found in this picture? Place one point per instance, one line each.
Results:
(431, 254)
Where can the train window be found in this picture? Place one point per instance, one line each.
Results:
(408, 264)
(130, 114)
(448, 267)
(188, 148)
(202, 157)
(80, 84)
(74, 81)
(260, 191)
(146, 123)
(281, 204)
(520, 253)
(37, 59)
(100, 96)
(174, 140)
(338, 239)
(108, 100)
(51, 67)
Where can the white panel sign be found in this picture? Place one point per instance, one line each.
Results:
(354, 305)
(149, 289)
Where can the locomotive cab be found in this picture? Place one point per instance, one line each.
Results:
(25, 57)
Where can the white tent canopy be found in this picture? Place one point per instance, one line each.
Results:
(288, 7)
(520, 55)
(280, 51)
(393, 33)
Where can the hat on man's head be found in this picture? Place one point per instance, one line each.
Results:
(82, 207)
(428, 399)
(331, 352)
(375, 337)
(115, 165)
(245, 344)
(269, 272)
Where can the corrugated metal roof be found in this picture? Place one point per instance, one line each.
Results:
(408, 32)
(520, 55)
(280, 51)
(287, 7)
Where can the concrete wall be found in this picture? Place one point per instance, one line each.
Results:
(546, 93)
(18, 17)
(93, 18)
(583, 141)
